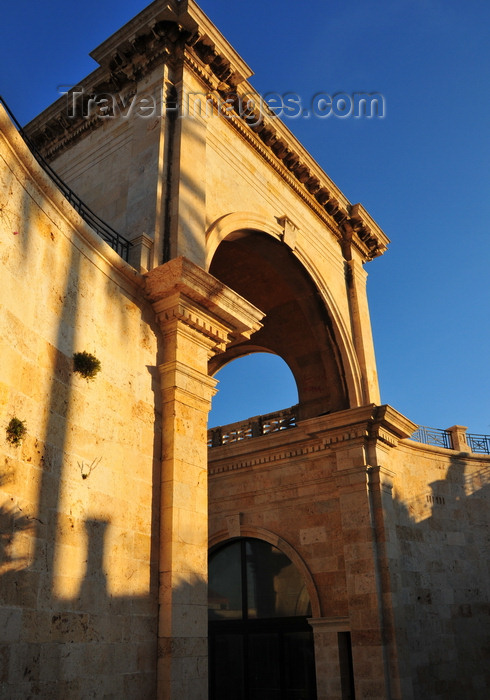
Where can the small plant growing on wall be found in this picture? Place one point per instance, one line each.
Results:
(86, 364)
(16, 431)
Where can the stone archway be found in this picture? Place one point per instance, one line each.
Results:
(297, 326)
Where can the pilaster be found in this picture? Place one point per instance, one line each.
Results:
(363, 437)
(331, 673)
(361, 329)
(198, 317)
(146, 183)
(188, 206)
(140, 253)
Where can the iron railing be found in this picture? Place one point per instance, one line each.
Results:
(253, 427)
(478, 443)
(117, 242)
(432, 436)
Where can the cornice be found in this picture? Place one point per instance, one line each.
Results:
(220, 459)
(179, 33)
(156, 36)
(314, 435)
(267, 154)
(390, 425)
(271, 139)
(372, 422)
(273, 448)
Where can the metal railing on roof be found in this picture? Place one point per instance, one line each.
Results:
(432, 436)
(478, 444)
(117, 242)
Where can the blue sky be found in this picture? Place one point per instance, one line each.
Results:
(421, 171)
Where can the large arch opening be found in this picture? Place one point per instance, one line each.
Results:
(297, 326)
(260, 642)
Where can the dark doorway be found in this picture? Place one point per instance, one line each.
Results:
(260, 643)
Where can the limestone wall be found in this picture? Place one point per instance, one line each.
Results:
(285, 488)
(394, 536)
(438, 524)
(238, 180)
(287, 493)
(114, 167)
(77, 514)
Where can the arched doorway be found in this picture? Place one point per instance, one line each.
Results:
(260, 642)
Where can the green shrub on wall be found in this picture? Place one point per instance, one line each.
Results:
(85, 364)
(16, 431)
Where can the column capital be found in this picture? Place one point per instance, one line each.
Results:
(182, 291)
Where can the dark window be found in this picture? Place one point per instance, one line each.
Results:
(260, 643)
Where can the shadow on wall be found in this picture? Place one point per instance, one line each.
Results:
(94, 645)
(443, 584)
(91, 646)
(89, 643)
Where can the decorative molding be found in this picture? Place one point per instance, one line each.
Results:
(237, 221)
(335, 430)
(329, 624)
(270, 157)
(290, 231)
(374, 422)
(180, 34)
(244, 462)
(180, 308)
(180, 290)
(192, 387)
(351, 224)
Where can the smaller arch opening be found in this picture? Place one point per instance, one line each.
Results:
(252, 385)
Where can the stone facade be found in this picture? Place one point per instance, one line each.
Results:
(78, 512)
(240, 243)
(394, 535)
